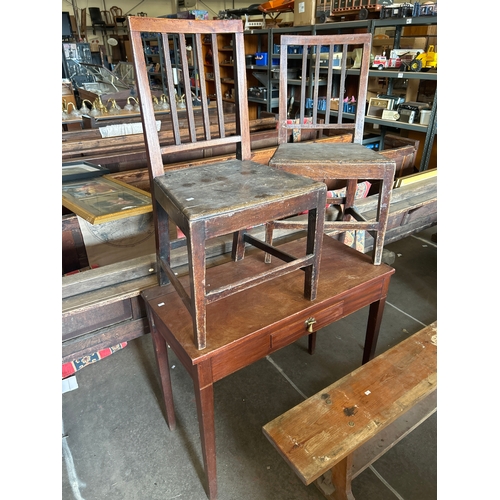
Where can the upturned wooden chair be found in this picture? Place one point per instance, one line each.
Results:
(322, 61)
(222, 197)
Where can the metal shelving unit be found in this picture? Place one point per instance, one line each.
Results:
(430, 130)
(153, 54)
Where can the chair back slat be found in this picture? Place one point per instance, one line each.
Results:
(201, 86)
(177, 36)
(321, 83)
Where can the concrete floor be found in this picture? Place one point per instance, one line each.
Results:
(117, 446)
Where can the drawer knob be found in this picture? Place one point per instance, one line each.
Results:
(309, 323)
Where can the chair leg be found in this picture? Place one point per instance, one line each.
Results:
(238, 249)
(269, 240)
(197, 271)
(315, 229)
(382, 217)
(350, 197)
(162, 243)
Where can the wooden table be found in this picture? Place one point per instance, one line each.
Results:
(247, 326)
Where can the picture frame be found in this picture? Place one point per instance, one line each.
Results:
(104, 199)
(377, 105)
(77, 170)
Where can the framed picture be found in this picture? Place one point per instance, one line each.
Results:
(76, 170)
(104, 199)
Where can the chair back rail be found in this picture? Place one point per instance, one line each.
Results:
(182, 33)
(335, 78)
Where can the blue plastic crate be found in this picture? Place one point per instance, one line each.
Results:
(261, 58)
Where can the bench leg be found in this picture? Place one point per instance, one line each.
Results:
(341, 479)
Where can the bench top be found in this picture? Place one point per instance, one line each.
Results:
(319, 432)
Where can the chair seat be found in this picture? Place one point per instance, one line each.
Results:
(222, 189)
(315, 159)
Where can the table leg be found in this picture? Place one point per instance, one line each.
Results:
(373, 329)
(311, 342)
(161, 353)
(204, 393)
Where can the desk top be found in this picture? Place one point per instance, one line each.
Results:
(276, 309)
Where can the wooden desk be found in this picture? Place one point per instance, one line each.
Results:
(250, 325)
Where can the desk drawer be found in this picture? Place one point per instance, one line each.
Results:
(255, 348)
(294, 331)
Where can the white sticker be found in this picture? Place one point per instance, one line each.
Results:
(400, 75)
(302, 7)
(408, 20)
(367, 392)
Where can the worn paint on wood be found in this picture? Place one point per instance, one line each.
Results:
(323, 430)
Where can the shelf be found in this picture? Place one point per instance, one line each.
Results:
(255, 66)
(274, 101)
(407, 21)
(386, 123)
(416, 127)
(344, 25)
(408, 75)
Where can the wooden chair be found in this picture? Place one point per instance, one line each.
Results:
(330, 162)
(108, 18)
(222, 197)
(97, 20)
(118, 17)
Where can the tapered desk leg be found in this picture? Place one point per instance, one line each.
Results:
(373, 329)
(161, 353)
(311, 342)
(204, 393)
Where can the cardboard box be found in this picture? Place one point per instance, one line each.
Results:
(419, 30)
(304, 13)
(413, 42)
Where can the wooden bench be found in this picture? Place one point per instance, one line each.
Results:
(340, 431)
